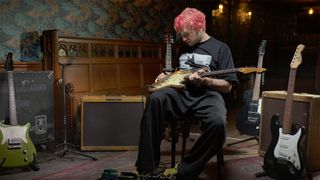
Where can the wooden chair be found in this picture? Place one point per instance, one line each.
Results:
(184, 129)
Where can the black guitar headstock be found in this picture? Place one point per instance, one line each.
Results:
(9, 63)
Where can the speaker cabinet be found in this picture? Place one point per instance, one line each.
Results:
(111, 122)
(34, 101)
(305, 113)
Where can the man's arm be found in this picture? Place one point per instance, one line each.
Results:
(217, 84)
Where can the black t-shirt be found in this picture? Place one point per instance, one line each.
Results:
(212, 54)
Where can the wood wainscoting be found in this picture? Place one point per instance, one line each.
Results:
(98, 67)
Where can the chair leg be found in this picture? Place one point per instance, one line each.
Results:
(220, 162)
(173, 144)
(185, 134)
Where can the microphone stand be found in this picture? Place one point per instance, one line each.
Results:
(65, 144)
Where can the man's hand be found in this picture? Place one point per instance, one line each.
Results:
(161, 76)
(195, 78)
(212, 83)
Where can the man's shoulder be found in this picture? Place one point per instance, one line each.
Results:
(217, 43)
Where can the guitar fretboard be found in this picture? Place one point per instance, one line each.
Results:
(257, 82)
(287, 114)
(12, 100)
(168, 59)
(220, 72)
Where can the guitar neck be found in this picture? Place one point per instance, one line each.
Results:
(288, 103)
(12, 100)
(220, 72)
(168, 59)
(257, 82)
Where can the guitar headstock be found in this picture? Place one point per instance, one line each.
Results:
(262, 47)
(297, 57)
(248, 70)
(168, 39)
(9, 63)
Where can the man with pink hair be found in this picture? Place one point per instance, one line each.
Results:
(202, 99)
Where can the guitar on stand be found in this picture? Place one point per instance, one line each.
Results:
(248, 118)
(255, 104)
(283, 158)
(168, 39)
(16, 148)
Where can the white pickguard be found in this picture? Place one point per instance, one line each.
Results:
(287, 148)
(259, 105)
(13, 132)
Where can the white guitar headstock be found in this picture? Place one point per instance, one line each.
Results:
(262, 47)
(168, 39)
(297, 57)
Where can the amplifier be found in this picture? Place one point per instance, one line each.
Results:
(111, 122)
(304, 113)
(34, 101)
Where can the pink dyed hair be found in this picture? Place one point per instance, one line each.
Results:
(190, 18)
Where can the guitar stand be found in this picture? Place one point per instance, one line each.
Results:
(265, 173)
(65, 144)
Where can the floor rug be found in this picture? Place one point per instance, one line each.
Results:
(243, 168)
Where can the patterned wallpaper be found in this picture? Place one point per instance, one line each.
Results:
(22, 21)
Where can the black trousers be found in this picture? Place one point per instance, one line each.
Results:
(167, 105)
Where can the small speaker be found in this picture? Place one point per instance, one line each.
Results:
(111, 122)
(305, 109)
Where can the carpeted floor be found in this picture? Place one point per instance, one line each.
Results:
(241, 162)
(77, 167)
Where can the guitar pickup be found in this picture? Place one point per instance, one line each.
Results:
(18, 146)
(14, 141)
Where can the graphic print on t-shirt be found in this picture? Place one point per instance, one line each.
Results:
(194, 60)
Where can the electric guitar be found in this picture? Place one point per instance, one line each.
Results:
(16, 147)
(176, 79)
(168, 39)
(283, 158)
(248, 119)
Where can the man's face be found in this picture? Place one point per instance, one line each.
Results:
(190, 36)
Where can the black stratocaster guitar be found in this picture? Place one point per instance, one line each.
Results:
(248, 118)
(16, 147)
(283, 159)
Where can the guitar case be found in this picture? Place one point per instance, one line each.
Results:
(242, 124)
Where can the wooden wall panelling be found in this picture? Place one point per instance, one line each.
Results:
(103, 77)
(104, 67)
(129, 76)
(24, 66)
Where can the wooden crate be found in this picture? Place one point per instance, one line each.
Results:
(305, 113)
